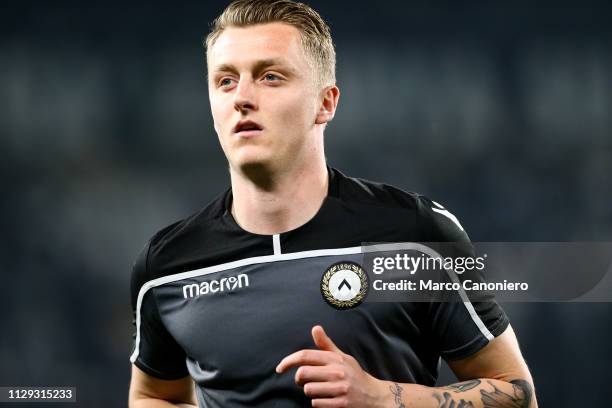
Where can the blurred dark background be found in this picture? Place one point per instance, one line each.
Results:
(502, 111)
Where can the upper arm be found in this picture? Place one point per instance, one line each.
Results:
(461, 322)
(144, 386)
(155, 351)
(501, 359)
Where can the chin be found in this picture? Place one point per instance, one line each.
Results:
(251, 162)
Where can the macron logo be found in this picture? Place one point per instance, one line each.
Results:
(225, 284)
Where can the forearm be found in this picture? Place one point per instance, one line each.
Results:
(158, 403)
(147, 391)
(477, 393)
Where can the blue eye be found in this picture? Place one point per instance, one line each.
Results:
(271, 77)
(225, 82)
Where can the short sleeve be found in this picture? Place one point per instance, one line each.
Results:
(459, 327)
(154, 349)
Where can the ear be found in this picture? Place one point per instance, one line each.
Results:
(329, 101)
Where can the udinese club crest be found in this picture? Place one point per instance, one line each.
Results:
(344, 285)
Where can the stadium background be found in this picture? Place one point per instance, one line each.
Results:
(499, 110)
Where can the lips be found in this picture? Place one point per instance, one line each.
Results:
(247, 126)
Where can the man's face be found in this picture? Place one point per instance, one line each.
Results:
(262, 95)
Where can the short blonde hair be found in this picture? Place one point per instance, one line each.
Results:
(314, 32)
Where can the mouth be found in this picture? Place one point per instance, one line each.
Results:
(247, 128)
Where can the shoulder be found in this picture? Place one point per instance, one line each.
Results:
(361, 191)
(140, 268)
(438, 223)
(435, 222)
(168, 243)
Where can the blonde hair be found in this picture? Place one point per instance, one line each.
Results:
(315, 34)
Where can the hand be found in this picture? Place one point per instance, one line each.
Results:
(330, 377)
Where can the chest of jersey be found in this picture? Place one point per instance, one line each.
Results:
(236, 324)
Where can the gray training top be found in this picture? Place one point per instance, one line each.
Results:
(224, 305)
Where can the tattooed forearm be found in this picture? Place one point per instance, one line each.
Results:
(396, 390)
(520, 397)
(446, 401)
(525, 388)
(515, 394)
(463, 386)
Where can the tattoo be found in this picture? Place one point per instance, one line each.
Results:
(524, 387)
(520, 398)
(396, 390)
(446, 401)
(463, 386)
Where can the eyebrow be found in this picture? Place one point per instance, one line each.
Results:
(258, 67)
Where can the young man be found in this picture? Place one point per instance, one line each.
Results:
(231, 297)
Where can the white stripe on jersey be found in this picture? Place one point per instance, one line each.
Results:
(301, 255)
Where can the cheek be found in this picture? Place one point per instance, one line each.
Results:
(219, 112)
(297, 112)
(220, 122)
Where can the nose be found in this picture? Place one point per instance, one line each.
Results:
(245, 97)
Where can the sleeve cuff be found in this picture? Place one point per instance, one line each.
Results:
(476, 344)
(162, 375)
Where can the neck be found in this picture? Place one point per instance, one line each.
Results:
(270, 202)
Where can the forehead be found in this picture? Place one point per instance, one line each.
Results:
(277, 41)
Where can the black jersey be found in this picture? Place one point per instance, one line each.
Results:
(225, 306)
